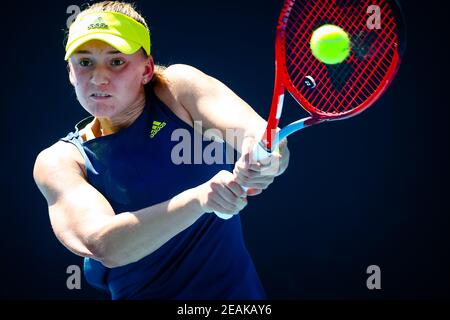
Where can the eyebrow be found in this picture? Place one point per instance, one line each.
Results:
(89, 52)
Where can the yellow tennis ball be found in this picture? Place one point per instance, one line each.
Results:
(330, 44)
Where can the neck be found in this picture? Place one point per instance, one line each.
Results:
(106, 126)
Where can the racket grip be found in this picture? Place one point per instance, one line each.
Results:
(258, 153)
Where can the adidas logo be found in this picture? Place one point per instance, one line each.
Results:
(98, 24)
(156, 126)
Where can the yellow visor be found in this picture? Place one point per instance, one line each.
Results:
(118, 30)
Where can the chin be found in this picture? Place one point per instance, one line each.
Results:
(101, 110)
(104, 114)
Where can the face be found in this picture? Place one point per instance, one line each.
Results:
(108, 83)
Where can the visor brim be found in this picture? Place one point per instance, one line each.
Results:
(121, 44)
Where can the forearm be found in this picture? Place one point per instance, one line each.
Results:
(130, 236)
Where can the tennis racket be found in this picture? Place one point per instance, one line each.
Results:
(339, 91)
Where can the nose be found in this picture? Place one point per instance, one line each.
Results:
(100, 76)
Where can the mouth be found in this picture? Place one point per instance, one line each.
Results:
(100, 96)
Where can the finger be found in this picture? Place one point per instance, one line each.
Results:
(265, 166)
(245, 174)
(253, 192)
(221, 205)
(256, 169)
(228, 198)
(245, 181)
(260, 179)
(253, 176)
(257, 185)
(241, 165)
(262, 186)
(227, 194)
(266, 162)
(220, 199)
(263, 172)
(236, 189)
(231, 207)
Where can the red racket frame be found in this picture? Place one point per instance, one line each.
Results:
(284, 82)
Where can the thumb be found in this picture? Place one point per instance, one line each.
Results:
(247, 150)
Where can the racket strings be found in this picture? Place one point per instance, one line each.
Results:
(295, 43)
(338, 78)
(312, 11)
(328, 93)
(365, 80)
(370, 80)
(347, 87)
(329, 13)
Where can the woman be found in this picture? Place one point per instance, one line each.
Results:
(144, 224)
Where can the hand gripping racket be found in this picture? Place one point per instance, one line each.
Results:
(339, 91)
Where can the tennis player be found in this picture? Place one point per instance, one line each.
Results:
(145, 225)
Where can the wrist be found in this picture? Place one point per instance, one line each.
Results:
(199, 199)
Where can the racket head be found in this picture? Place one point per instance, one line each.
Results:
(333, 92)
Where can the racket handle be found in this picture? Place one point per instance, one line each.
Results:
(258, 153)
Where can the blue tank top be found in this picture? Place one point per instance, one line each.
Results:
(133, 170)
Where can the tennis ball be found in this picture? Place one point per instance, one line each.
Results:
(330, 44)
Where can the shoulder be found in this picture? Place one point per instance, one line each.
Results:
(182, 83)
(180, 72)
(185, 79)
(188, 85)
(59, 157)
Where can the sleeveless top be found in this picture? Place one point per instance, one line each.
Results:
(134, 169)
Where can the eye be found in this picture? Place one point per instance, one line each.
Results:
(85, 63)
(117, 62)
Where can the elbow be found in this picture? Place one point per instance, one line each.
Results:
(111, 263)
(105, 256)
(102, 251)
(106, 259)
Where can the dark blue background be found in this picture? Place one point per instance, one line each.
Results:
(370, 190)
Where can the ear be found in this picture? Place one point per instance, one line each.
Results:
(71, 75)
(148, 70)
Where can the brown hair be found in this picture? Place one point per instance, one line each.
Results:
(130, 10)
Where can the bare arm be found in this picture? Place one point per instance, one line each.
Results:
(86, 224)
(209, 100)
